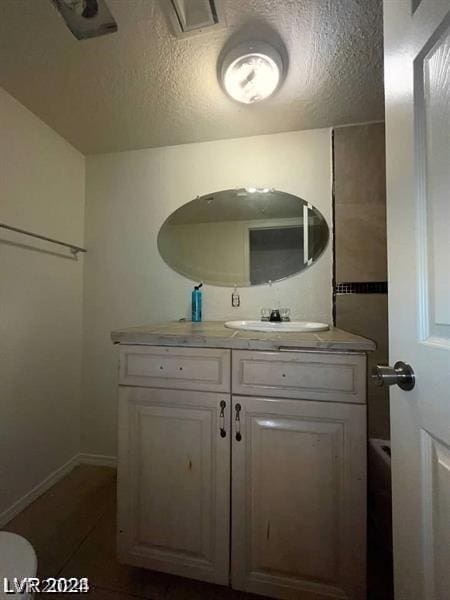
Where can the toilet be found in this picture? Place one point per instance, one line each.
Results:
(17, 560)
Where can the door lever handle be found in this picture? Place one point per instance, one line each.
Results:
(400, 374)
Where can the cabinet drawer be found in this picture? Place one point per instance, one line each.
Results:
(327, 376)
(203, 369)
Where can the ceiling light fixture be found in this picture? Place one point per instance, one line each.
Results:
(255, 190)
(252, 72)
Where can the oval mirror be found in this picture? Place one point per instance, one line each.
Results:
(243, 237)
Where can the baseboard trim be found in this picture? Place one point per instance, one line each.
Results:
(19, 505)
(101, 460)
(37, 491)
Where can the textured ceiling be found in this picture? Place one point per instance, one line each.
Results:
(142, 87)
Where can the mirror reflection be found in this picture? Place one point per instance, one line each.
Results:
(243, 237)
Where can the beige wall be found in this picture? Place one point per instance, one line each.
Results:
(360, 198)
(361, 248)
(129, 195)
(42, 189)
(211, 251)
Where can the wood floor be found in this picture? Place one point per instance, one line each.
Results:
(72, 528)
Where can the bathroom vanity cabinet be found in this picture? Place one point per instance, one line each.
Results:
(245, 467)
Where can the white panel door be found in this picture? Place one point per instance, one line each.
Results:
(299, 498)
(174, 482)
(417, 85)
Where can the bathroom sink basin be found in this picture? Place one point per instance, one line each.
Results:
(273, 326)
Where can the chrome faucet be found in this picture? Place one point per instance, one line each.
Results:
(275, 314)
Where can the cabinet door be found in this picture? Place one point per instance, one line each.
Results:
(174, 482)
(299, 499)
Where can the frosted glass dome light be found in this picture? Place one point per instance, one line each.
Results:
(252, 72)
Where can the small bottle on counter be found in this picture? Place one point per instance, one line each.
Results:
(197, 303)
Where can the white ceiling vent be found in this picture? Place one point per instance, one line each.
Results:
(190, 17)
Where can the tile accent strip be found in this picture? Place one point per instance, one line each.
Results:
(361, 287)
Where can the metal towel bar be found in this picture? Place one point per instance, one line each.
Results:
(74, 249)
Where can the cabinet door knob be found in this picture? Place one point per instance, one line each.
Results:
(238, 408)
(223, 405)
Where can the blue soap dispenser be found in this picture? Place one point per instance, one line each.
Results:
(197, 303)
